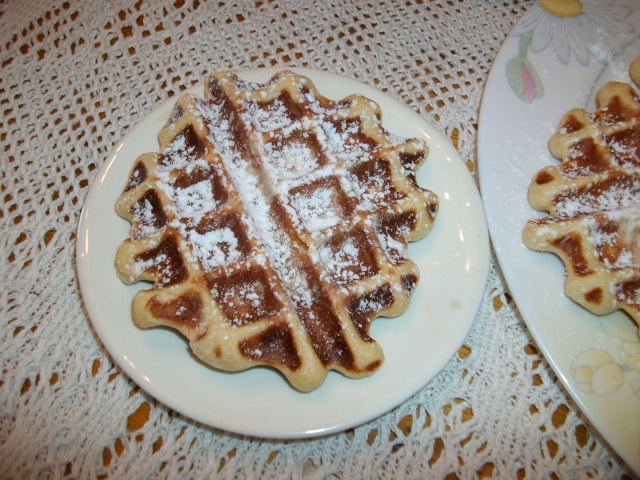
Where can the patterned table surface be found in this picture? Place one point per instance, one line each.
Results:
(76, 76)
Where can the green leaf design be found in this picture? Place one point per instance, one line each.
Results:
(522, 76)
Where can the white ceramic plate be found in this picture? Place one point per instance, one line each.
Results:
(512, 147)
(453, 260)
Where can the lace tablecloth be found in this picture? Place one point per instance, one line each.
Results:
(76, 76)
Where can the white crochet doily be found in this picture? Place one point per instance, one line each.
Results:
(76, 76)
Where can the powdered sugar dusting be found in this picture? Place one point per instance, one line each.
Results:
(343, 142)
(280, 166)
(244, 299)
(345, 264)
(576, 201)
(624, 238)
(630, 297)
(141, 266)
(257, 200)
(144, 217)
(215, 248)
(395, 250)
(311, 190)
(195, 200)
(269, 117)
(290, 160)
(318, 210)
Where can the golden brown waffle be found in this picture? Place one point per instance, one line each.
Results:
(593, 200)
(274, 227)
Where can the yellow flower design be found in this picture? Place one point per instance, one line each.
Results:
(562, 8)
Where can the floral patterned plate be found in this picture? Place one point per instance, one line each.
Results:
(559, 53)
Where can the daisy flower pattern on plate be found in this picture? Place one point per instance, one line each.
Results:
(580, 28)
(574, 26)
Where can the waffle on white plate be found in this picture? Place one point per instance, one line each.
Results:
(593, 202)
(273, 226)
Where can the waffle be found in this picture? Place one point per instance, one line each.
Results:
(593, 202)
(273, 226)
